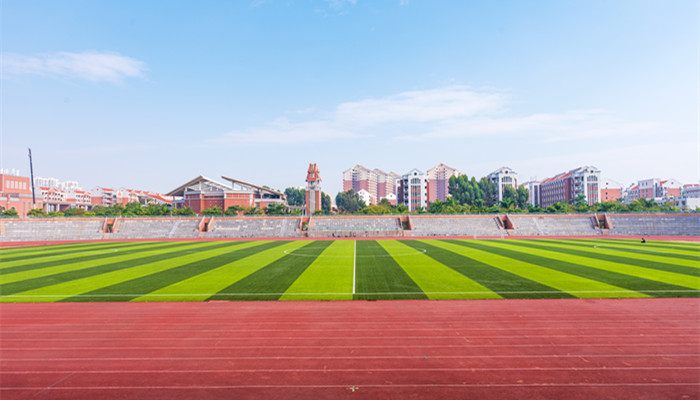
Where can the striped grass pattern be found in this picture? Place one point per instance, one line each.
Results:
(346, 270)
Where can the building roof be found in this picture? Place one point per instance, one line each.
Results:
(252, 186)
(502, 170)
(556, 177)
(180, 190)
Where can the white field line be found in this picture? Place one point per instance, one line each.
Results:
(636, 249)
(10, 296)
(354, 260)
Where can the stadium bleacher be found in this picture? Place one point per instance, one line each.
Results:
(254, 227)
(662, 224)
(60, 229)
(455, 226)
(553, 225)
(354, 226)
(51, 229)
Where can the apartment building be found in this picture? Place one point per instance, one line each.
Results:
(439, 182)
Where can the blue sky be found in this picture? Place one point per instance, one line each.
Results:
(149, 95)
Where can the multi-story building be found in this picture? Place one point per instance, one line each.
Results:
(413, 190)
(610, 190)
(69, 186)
(46, 182)
(360, 177)
(377, 183)
(365, 197)
(439, 182)
(503, 177)
(566, 187)
(654, 188)
(108, 197)
(16, 194)
(691, 191)
(386, 183)
(668, 189)
(533, 187)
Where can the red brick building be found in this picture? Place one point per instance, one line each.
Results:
(16, 194)
(202, 193)
(567, 186)
(610, 190)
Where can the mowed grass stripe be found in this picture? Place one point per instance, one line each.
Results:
(639, 254)
(271, 281)
(378, 276)
(48, 247)
(74, 288)
(329, 275)
(79, 271)
(201, 287)
(643, 248)
(506, 284)
(36, 253)
(604, 255)
(575, 285)
(74, 264)
(26, 266)
(648, 281)
(672, 278)
(436, 280)
(154, 280)
(687, 247)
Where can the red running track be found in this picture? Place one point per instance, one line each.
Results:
(473, 349)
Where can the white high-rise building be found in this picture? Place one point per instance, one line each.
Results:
(503, 177)
(413, 190)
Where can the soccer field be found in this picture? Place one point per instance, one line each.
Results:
(348, 269)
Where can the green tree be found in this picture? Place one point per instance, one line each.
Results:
(36, 212)
(325, 203)
(74, 212)
(234, 210)
(12, 213)
(580, 203)
(133, 209)
(56, 214)
(522, 196)
(252, 211)
(349, 202)
(213, 211)
(507, 202)
(184, 212)
(375, 210)
(276, 209)
(295, 197)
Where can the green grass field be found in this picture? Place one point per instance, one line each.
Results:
(347, 269)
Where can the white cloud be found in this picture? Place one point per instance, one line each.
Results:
(91, 66)
(452, 112)
(339, 4)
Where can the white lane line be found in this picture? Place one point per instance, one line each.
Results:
(411, 357)
(325, 370)
(470, 346)
(391, 385)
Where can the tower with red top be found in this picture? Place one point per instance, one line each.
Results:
(313, 189)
